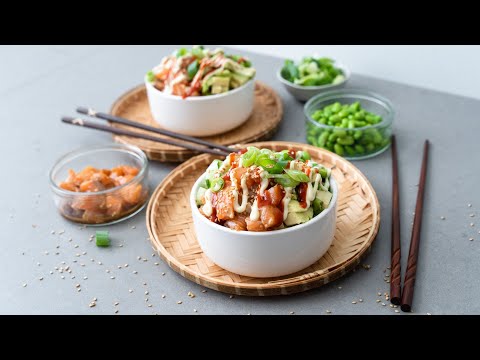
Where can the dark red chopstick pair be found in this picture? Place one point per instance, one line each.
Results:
(397, 296)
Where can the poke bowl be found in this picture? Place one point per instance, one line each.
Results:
(100, 185)
(201, 92)
(284, 222)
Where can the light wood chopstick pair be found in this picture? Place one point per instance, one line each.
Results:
(397, 296)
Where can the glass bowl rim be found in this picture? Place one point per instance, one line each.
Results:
(352, 93)
(87, 149)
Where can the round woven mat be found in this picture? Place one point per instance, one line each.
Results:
(262, 124)
(170, 225)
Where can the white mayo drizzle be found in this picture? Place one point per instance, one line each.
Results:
(236, 206)
(207, 207)
(286, 200)
(254, 214)
(225, 165)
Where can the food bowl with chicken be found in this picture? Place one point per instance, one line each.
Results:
(264, 214)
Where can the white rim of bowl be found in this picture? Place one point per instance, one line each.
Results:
(199, 98)
(315, 219)
(345, 70)
(85, 150)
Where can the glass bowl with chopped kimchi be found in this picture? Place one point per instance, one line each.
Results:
(100, 185)
(262, 213)
(201, 92)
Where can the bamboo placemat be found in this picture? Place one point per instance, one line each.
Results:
(170, 225)
(262, 124)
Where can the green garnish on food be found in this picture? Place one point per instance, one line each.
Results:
(261, 190)
(200, 72)
(312, 72)
(102, 239)
(353, 134)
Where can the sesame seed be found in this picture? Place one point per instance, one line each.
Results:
(116, 303)
(391, 305)
(38, 264)
(146, 299)
(100, 263)
(61, 232)
(153, 255)
(471, 239)
(24, 285)
(92, 304)
(360, 300)
(292, 312)
(94, 299)
(442, 217)
(84, 253)
(328, 311)
(130, 291)
(121, 245)
(92, 260)
(469, 205)
(379, 294)
(144, 283)
(397, 311)
(163, 274)
(116, 311)
(378, 300)
(76, 246)
(156, 263)
(179, 302)
(163, 296)
(77, 254)
(339, 288)
(119, 267)
(139, 258)
(231, 296)
(85, 278)
(146, 292)
(77, 285)
(204, 291)
(126, 265)
(63, 277)
(383, 304)
(149, 305)
(73, 277)
(134, 227)
(135, 272)
(107, 271)
(82, 264)
(194, 310)
(40, 278)
(51, 272)
(70, 239)
(46, 252)
(354, 302)
(52, 232)
(472, 215)
(112, 277)
(472, 224)
(429, 314)
(190, 294)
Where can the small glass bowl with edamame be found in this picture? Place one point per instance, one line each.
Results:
(352, 123)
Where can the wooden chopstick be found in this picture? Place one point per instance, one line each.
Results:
(395, 275)
(123, 121)
(113, 130)
(410, 273)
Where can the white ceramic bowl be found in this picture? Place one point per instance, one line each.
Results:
(304, 93)
(202, 115)
(266, 254)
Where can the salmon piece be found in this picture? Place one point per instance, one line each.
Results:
(130, 170)
(237, 223)
(276, 194)
(252, 178)
(114, 205)
(121, 180)
(132, 194)
(93, 216)
(254, 225)
(106, 172)
(90, 203)
(271, 216)
(68, 186)
(117, 171)
(91, 186)
(224, 204)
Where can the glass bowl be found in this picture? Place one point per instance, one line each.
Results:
(353, 143)
(107, 206)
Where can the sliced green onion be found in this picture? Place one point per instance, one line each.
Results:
(150, 76)
(303, 155)
(297, 175)
(249, 158)
(323, 172)
(284, 180)
(283, 155)
(101, 238)
(216, 184)
(181, 52)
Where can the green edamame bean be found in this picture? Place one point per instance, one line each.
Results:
(351, 124)
(344, 123)
(377, 138)
(333, 137)
(322, 139)
(312, 140)
(338, 149)
(336, 107)
(330, 147)
(322, 120)
(334, 118)
(347, 140)
(340, 133)
(327, 112)
(350, 150)
(370, 147)
(359, 148)
(358, 116)
(316, 115)
(357, 134)
(355, 106)
(343, 114)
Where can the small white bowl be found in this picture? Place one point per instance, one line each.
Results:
(266, 254)
(202, 115)
(304, 93)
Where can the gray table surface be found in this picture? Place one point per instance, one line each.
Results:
(41, 83)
